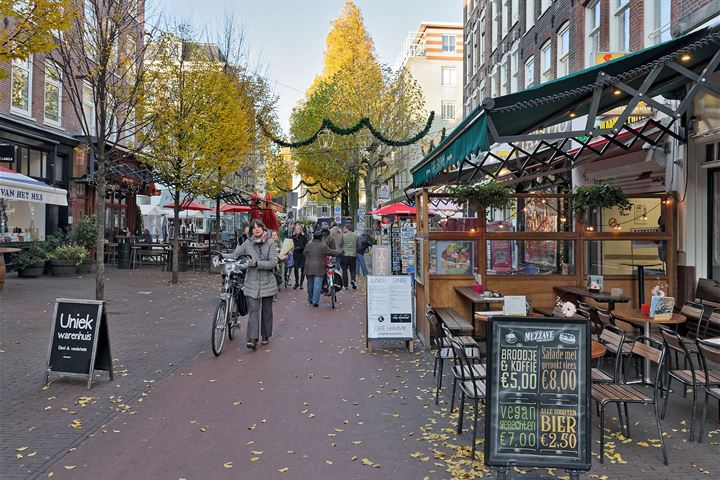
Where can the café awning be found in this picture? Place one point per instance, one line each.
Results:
(678, 68)
(18, 187)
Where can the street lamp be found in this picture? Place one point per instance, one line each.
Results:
(325, 139)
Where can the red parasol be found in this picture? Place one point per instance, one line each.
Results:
(268, 215)
(186, 205)
(230, 208)
(394, 209)
(255, 214)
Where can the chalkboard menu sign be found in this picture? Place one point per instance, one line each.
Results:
(538, 393)
(79, 341)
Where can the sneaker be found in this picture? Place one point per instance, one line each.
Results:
(315, 305)
(353, 285)
(295, 287)
(265, 341)
(252, 344)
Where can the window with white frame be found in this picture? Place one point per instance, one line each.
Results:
(133, 7)
(448, 43)
(475, 53)
(88, 104)
(592, 31)
(481, 46)
(90, 28)
(21, 86)
(546, 62)
(494, 24)
(504, 17)
(514, 69)
(529, 72)
(544, 5)
(53, 93)
(447, 109)
(563, 50)
(448, 77)
(529, 14)
(131, 59)
(469, 49)
(657, 22)
(504, 77)
(620, 28)
(494, 81)
(514, 11)
(130, 128)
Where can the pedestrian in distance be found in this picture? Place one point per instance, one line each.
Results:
(365, 241)
(260, 282)
(349, 256)
(316, 252)
(146, 237)
(286, 259)
(336, 234)
(279, 270)
(299, 243)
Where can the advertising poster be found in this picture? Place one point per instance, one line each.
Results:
(454, 257)
(500, 255)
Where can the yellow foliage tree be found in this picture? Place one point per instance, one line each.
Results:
(31, 25)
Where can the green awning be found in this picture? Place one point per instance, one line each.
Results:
(551, 103)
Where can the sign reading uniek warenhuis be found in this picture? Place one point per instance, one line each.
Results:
(537, 413)
(79, 340)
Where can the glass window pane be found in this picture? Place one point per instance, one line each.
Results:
(617, 257)
(452, 257)
(35, 163)
(21, 85)
(530, 257)
(645, 216)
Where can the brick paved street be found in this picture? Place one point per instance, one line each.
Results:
(313, 404)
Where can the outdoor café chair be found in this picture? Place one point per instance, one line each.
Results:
(689, 377)
(692, 311)
(708, 352)
(471, 386)
(621, 393)
(613, 339)
(443, 351)
(472, 351)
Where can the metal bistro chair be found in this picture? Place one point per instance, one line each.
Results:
(472, 352)
(471, 386)
(613, 339)
(443, 350)
(623, 394)
(708, 352)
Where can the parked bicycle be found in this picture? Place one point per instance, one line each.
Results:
(232, 303)
(332, 283)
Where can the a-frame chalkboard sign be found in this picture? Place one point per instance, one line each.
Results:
(79, 339)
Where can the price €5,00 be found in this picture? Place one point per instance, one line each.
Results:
(518, 380)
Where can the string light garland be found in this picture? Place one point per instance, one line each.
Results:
(364, 122)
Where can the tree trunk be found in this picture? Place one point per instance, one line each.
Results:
(344, 201)
(217, 218)
(369, 200)
(100, 188)
(176, 237)
(354, 197)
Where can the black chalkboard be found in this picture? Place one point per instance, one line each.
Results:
(79, 341)
(537, 412)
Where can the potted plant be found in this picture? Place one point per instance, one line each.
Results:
(84, 233)
(65, 259)
(31, 263)
(482, 195)
(592, 198)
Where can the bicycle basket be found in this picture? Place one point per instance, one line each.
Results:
(337, 281)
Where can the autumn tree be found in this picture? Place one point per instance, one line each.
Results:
(101, 58)
(202, 121)
(31, 26)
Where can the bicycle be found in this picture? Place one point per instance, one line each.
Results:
(332, 283)
(232, 303)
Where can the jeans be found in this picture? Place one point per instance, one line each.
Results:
(314, 287)
(361, 265)
(348, 263)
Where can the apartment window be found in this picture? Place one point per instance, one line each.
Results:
(130, 127)
(90, 32)
(545, 62)
(494, 21)
(514, 11)
(504, 77)
(657, 22)
(592, 29)
(504, 16)
(133, 7)
(494, 82)
(475, 53)
(544, 5)
(447, 108)
(514, 69)
(469, 50)
(529, 72)
(448, 77)
(21, 89)
(131, 59)
(88, 104)
(621, 25)
(481, 54)
(448, 43)
(563, 50)
(529, 14)
(53, 93)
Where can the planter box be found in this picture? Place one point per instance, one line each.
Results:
(85, 267)
(62, 268)
(33, 271)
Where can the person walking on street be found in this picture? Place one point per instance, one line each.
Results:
(260, 283)
(300, 242)
(286, 259)
(336, 234)
(316, 252)
(365, 241)
(349, 256)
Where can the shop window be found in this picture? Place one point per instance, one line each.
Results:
(645, 216)
(36, 163)
(452, 257)
(714, 222)
(21, 86)
(59, 169)
(616, 257)
(530, 257)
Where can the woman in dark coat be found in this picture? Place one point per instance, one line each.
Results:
(316, 253)
(300, 241)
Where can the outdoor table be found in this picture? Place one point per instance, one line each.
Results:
(550, 312)
(600, 297)
(634, 315)
(476, 298)
(641, 278)
(597, 349)
(3, 251)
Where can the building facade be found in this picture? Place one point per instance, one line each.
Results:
(433, 55)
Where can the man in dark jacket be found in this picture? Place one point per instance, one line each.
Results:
(364, 242)
(316, 253)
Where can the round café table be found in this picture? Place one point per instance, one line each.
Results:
(4, 250)
(634, 315)
(597, 350)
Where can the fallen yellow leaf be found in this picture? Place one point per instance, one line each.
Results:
(21, 449)
(254, 459)
(228, 464)
(256, 452)
(329, 462)
(283, 470)
(69, 467)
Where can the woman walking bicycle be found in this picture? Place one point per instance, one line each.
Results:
(299, 241)
(260, 282)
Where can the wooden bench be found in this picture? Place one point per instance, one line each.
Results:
(155, 256)
(455, 322)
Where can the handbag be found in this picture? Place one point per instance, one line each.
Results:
(278, 277)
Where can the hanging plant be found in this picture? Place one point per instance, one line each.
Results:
(482, 195)
(602, 195)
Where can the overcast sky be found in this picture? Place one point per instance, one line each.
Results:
(288, 36)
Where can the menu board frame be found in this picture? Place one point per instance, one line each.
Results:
(384, 320)
(498, 335)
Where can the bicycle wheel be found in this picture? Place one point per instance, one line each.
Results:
(219, 326)
(333, 297)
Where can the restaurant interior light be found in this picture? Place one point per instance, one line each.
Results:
(617, 91)
(572, 114)
(685, 57)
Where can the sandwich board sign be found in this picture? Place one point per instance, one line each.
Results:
(538, 411)
(79, 339)
(390, 309)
